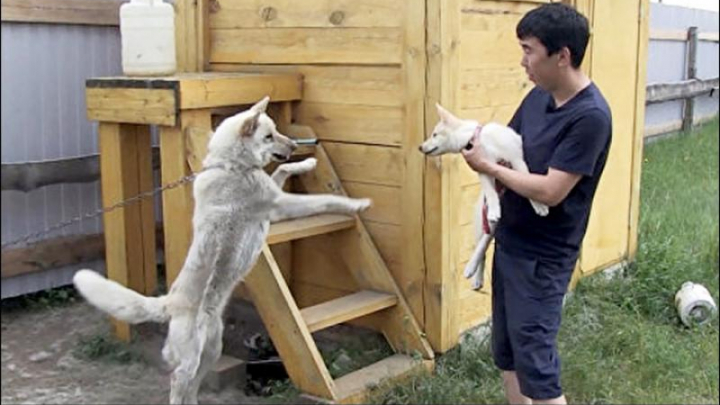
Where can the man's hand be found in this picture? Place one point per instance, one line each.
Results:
(474, 157)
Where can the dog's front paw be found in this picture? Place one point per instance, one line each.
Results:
(361, 204)
(308, 164)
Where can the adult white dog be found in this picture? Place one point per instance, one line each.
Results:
(235, 201)
(499, 143)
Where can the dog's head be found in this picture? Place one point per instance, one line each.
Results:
(253, 134)
(446, 136)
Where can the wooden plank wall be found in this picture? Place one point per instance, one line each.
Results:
(357, 96)
(607, 238)
(491, 85)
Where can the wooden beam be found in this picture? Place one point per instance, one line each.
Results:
(681, 35)
(129, 239)
(652, 131)
(52, 254)
(157, 100)
(84, 12)
(638, 136)
(659, 92)
(709, 36)
(29, 176)
(691, 63)
(131, 105)
(58, 252)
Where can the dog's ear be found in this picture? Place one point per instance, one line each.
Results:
(261, 105)
(250, 125)
(445, 115)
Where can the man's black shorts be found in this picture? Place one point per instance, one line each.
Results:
(526, 307)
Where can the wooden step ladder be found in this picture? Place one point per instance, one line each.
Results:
(378, 298)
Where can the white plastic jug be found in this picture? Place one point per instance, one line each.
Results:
(147, 32)
(694, 304)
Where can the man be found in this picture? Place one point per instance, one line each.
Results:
(565, 124)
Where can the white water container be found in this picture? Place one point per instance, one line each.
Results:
(147, 32)
(694, 304)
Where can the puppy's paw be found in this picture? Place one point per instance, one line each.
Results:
(540, 209)
(477, 281)
(493, 216)
(470, 270)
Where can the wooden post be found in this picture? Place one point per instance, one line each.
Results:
(126, 171)
(692, 41)
(178, 203)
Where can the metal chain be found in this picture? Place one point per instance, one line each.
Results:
(102, 211)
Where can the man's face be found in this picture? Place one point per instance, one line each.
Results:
(541, 69)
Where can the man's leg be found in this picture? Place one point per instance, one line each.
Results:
(501, 347)
(533, 298)
(559, 400)
(512, 389)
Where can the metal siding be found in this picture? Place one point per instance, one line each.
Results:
(44, 67)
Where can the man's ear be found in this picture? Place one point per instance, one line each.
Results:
(250, 125)
(564, 56)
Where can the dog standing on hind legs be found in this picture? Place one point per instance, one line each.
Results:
(501, 144)
(235, 201)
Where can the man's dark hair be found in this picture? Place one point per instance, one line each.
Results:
(557, 25)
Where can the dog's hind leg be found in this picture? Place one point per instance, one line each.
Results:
(492, 199)
(285, 170)
(210, 355)
(540, 208)
(475, 267)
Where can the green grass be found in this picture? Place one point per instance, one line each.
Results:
(45, 299)
(621, 340)
(105, 347)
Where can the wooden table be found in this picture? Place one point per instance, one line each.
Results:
(182, 107)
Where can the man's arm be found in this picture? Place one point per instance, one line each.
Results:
(549, 189)
(575, 156)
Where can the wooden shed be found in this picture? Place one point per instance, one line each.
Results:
(371, 73)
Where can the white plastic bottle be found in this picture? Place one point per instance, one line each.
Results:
(147, 32)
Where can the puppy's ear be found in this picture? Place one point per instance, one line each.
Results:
(261, 105)
(250, 125)
(445, 115)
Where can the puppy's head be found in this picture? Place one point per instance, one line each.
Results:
(254, 132)
(445, 137)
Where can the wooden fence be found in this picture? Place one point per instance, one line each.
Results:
(687, 89)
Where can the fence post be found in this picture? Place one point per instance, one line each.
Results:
(692, 41)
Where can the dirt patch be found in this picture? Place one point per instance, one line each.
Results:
(45, 358)
(43, 361)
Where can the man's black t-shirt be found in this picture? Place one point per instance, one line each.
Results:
(574, 138)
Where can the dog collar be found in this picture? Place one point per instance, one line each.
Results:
(478, 129)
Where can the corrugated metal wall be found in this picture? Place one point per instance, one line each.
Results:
(666, 60)
(44, 67)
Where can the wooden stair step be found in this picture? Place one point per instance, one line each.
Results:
(345, 308)
(309, 226)
(353, 387)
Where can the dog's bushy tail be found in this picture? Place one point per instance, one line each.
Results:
(119, 301)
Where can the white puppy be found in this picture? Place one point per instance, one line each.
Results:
(499, 144)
